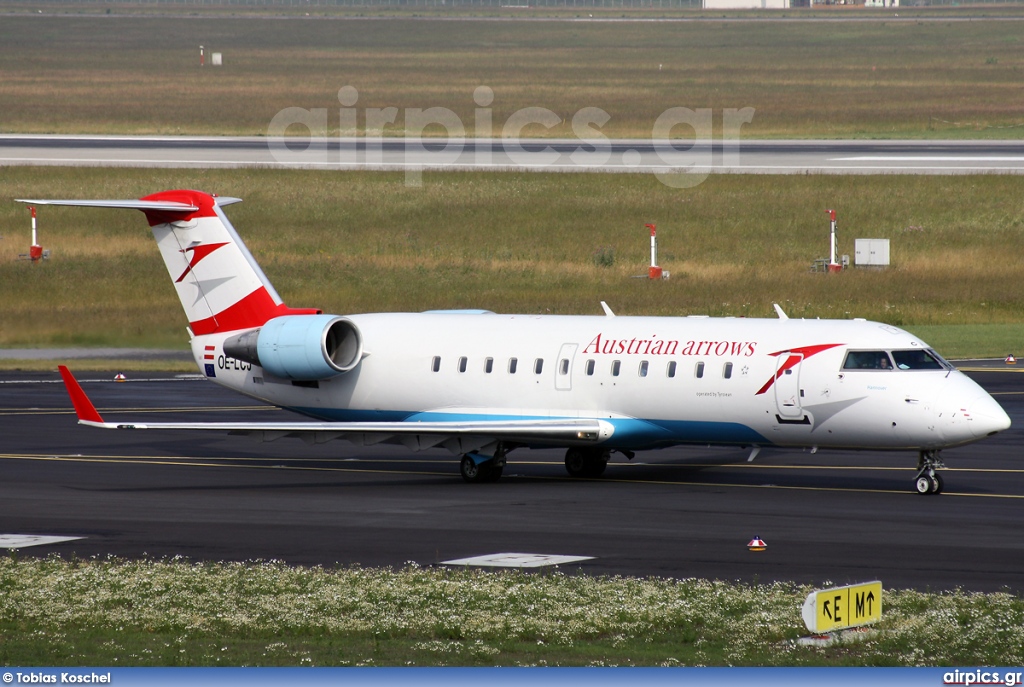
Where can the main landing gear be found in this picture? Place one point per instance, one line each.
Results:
(928, 481)
(586, 462)
(477, 468)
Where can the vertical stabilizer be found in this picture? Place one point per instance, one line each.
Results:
(219, 284)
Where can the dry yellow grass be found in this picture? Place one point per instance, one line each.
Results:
(364, 242)
(141, 75)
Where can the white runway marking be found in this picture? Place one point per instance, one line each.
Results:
(21, 541)
(928, 158)
(517, 560)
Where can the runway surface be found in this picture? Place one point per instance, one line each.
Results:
(564, 155)
(828, 517)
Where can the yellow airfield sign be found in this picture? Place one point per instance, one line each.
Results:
(826, 610)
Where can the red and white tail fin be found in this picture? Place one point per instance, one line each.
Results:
(219, 284)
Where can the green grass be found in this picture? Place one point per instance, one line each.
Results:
(973, 340)
(140, 74)
(172, 612)
(364, 242)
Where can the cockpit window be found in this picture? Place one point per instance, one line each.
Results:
(867, 360)
(917, 359)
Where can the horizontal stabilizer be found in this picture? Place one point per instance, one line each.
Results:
(162, 205)
(133, 204)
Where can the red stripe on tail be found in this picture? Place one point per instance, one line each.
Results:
(252, 311)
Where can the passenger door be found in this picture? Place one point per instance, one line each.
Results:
(787, 386)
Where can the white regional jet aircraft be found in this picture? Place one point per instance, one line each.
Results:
(481, 384)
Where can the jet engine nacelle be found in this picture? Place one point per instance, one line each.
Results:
(300, 347)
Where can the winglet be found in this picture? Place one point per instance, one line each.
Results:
(84, 408)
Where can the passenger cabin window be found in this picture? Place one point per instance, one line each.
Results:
(435, 364)
(563, 366)
(671, 371)
(462, 364)
(916, 359)
(643, 368)
(489, 365)
(590, 368)
(513, 363)
(727, 371)
(867, 360)
(699, 372)
(538, 366)
(616, 366)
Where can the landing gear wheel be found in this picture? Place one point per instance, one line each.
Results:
(928, 481)
(484, 471)
(471, 471)
(576, 462)
(923, 485)
(586, 463)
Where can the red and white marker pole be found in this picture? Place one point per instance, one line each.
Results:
(833, 266)
(654, 272)
(35, 251)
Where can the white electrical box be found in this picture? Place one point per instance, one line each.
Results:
(871, 252)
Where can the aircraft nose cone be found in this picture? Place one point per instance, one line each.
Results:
(986, 416)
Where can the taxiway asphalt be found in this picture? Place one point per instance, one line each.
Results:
(838, 517)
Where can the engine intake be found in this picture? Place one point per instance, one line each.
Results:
(300, 347)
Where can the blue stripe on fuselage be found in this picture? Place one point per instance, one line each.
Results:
(630, 433)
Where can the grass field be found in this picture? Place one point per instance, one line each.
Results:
(171, 613)
(531, 243)
(882, 79)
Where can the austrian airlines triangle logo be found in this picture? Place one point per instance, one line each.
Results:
(795, 356)
(198, 253)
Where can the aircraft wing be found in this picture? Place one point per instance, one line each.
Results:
(462, 436)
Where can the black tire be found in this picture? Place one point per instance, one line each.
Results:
(576, 462)
(581, 462)
(479, 473)
(597, 465)
(471, 471)
(937, 483)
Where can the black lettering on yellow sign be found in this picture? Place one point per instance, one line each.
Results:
(864, 603)
(848, 606)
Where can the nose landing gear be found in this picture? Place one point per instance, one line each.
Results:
(928, 481)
